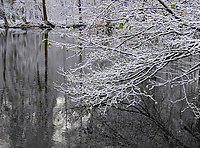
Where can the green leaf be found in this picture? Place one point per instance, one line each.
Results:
(150, 39)
(173, 5)
(129, 28)
(121, 25)
(63, 46)
(126, 26)
(43, 41)
(182, 25)
(137, 19)
(127, 20)
(66, 49)
(49, 45)
(112, 30)
(71, 30)
(88, 105)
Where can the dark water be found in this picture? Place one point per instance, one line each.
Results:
(34, 114)
(28, 97)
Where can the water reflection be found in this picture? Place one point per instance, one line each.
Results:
(33, 114)
(27, 90)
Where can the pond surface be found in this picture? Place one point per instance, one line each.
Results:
(34, 114)
(28, 97)
(31, 109)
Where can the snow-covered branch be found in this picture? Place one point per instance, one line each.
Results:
(123, 59)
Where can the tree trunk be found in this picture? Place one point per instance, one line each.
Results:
(44, 11)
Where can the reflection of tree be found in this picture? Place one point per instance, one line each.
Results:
(25, 100)
(43, 113)
(4, 65)
(135, 127)
(4, 104)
